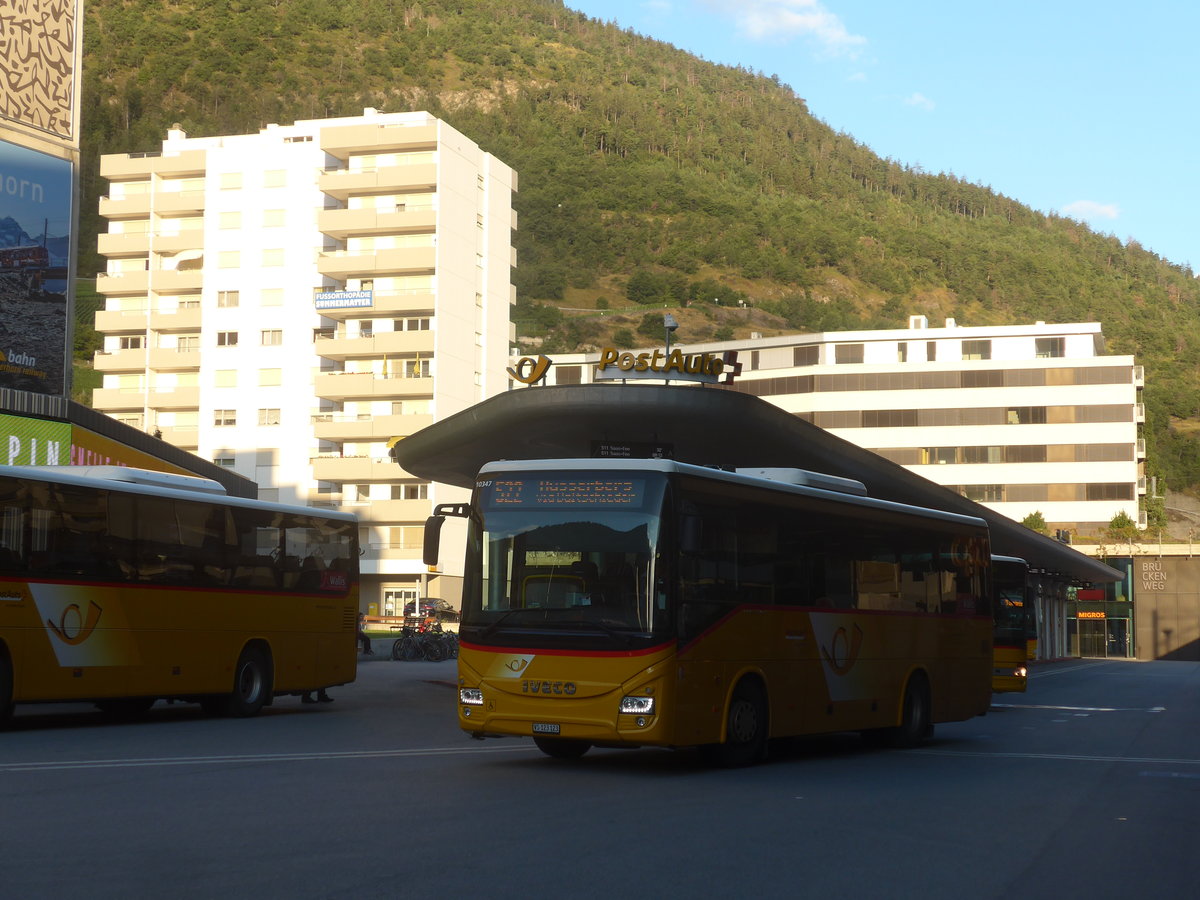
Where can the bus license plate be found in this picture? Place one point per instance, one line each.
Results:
(545, 728)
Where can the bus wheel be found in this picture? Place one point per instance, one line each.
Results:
(562, 748)
(251, 685)
(916, 723)
(6, 687)
(745, 730)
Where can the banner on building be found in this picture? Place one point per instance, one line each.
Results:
(35, 251)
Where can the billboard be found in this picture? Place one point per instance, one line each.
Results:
(35, 248)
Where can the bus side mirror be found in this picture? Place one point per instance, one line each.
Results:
(433, 529)
(433, 539)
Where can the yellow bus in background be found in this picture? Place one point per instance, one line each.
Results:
(1011, 608)
(625, 603)
(121, 586)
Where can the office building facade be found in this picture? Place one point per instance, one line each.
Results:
(290, 303)
(1021, 418)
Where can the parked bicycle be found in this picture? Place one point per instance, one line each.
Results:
(432, 644)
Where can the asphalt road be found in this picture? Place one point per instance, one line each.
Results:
(1086, 786)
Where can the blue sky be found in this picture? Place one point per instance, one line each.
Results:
(1086, 109)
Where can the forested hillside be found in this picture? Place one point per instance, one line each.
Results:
(648, 176)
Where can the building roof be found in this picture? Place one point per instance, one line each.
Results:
(706, 426)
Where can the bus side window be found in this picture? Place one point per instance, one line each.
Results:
(12, 527)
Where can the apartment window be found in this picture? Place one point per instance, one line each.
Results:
(931, 350)
(416, 368)
(133, 420)
(983, 454)
(362, 493)
(223, 417)
(1051, 348)
(230, 219)
(227, 338)
(943, 455)
(224, 460)
(568, 374)
(976, 349)
(231, 181)
(274, 218)
(902, 351)
(188, 342)
(1025, 415)
(410, 491)
(848, 353)
(275, 178)
(1026, 454)
(133, 342)
(272, 257)
(808, 355)
(1122, 491)
(225, 378)
(421, 324)
(984, 493)
(272, 337)
(229, 259)
(889, 418)
(271, 297)
(228, 299)
(268, 417)
(270, 377)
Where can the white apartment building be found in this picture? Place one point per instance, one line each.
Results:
(289, 303)
(1021, 418)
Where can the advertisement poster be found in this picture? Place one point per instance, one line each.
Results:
(35, 248)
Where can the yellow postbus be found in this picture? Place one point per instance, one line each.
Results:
(1010, 579)
(624, 603)
(121, 586)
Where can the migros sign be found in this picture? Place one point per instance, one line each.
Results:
(613, 364)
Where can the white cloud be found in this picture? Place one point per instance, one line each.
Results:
(782, 20)
(858, 77)
(1089, 210)
(920, 101)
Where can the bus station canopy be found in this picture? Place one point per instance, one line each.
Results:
(704, 426)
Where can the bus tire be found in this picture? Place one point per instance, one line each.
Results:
(562, 748)
(746, 729)
(6, 686)
(251, 685)
(916, 720)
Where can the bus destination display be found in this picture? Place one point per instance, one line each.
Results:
(566, 492)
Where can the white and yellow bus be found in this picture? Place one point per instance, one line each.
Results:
(121, 586)
(625, 603)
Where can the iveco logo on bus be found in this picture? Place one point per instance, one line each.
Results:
(548, 687)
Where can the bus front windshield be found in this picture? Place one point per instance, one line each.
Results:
(567, 556)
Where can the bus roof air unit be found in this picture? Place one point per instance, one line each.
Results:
(808, 479)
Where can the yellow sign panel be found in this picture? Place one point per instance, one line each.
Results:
(91, 449)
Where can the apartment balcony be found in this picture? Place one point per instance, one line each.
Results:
(343, 223)
(134, 206)
(344, 183)
(173, 281)
(391, 511)
(127, 166)
(182, 318)
(342, 386)
(121, 283)
(112, 361)
(396, 303)
(172, 359)
(139, 244)
(1141, 485)
(1139, 376)
(365, 426)
(384, 343)
(343, 264)
(1140, 448)
(355, 469)
(1139, 412)
(384, 552)
(115, 321)
(109, 400)
(181, 436)
(391, 137)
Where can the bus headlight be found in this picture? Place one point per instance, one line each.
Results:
(638, 706)
(470, 696)
(1022, 672)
